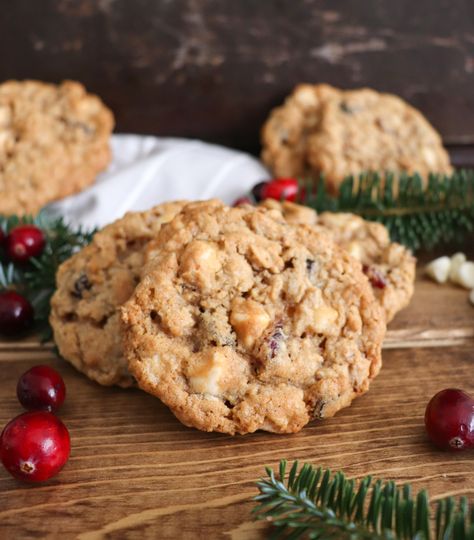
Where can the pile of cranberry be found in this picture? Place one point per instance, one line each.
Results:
(19, 246)
(35, 445)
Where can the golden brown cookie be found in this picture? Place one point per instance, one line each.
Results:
(92, 284)
(321, 129)
(286, 131)
(54, 140)
(245, 322)
(389, 266)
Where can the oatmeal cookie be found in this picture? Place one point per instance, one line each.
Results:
(54, 140)
(92, 284)
(286, 131)
(321, 129)
(245, 322)
(389, 266)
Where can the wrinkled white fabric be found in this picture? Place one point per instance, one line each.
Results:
(148, 170)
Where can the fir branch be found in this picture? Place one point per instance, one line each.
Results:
(314, 503)
(36, 280)
(417, 214)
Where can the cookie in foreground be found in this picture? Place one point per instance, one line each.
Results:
(244, 322)
(323, 130)
(54, 140)
(389, 266)
(92, 284)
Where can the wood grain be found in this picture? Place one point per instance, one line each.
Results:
(213, 70)
(136, 472)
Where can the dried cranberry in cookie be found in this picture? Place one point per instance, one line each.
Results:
(389, 266)
(242, 322)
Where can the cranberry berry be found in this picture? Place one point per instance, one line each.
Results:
(449, 420)
(16, 313)
(41, 388)
(257, 191)
(281, 189)
(34, 446)
(24, 242)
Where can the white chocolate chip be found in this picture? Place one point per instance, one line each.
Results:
(355, 249)
(430, 157)
(340, 220)
(205, 377)
(305, 96)
(199, 263)
(439, 269)
(249, 320)
(324, 317)
(6, 140)
(5, 116)
(465, 275)
(456, 260)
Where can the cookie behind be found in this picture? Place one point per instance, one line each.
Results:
(54, 140)
(91, 286)
(323, 130)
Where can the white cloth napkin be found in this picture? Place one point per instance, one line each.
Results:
(148, 170)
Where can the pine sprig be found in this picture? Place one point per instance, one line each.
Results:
(314, 503)
(36, 280)
(416, 214)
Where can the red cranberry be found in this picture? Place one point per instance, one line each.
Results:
(34, 446)
(241, 201)
(281, 189)
(257, 191)
(16, 313)
(24, 242)
(376, 278)
(449, 420)
(41, 387)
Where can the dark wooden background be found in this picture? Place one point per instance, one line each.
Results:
(213, 68)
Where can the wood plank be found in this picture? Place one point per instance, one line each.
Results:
(204, 69)
(136, 472)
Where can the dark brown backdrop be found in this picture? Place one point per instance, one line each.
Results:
(212, 69)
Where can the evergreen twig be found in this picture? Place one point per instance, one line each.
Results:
(418, 214)
(314, 503)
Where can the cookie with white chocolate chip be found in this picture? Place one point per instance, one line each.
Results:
(323, 130)
(389, 266)
(54, 140)
(92, 284)
(244, 322)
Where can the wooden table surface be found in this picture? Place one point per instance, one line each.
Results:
(136, 472)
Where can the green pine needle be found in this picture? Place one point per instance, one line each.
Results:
(314, 503)
(36, 280)
(416, 214)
